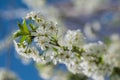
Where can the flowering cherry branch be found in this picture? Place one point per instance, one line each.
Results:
(44, 41)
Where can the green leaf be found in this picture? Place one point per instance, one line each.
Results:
(55, 49)
(24, 37)
(20, 26)
(32, 26)
(29, 40)
(18, 34)
(25, 28)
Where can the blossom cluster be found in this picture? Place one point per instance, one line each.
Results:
(46, 41)
(113, 56)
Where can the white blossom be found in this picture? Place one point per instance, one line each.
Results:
(37, 16)
(95, 48)
(29, 52)
(113, 56)
(72, 38)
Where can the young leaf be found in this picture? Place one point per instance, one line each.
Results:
(32, 26)
(24, 37)
(25, 28)
(29, 40)
(55, 49)
(20, 26)
(18, 33)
